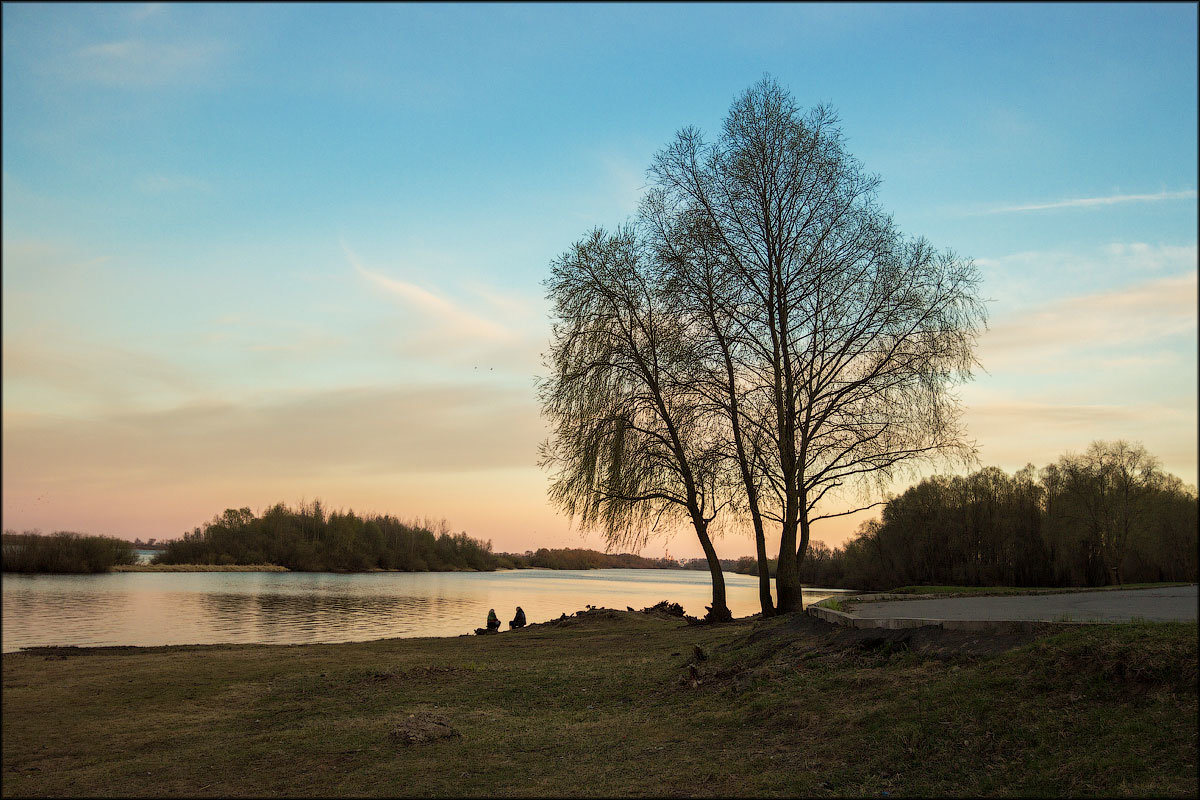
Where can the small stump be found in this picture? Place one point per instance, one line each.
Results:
(422, 728)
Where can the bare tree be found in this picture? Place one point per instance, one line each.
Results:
(630, 445)
(841, 339)
(705, 296)
(1110, 486)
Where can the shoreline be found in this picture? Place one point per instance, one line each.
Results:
(199, 568)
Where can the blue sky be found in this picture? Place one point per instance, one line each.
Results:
(264, 252)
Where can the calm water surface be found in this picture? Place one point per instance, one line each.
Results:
(160, 608)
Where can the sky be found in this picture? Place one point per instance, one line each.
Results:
(265, 253)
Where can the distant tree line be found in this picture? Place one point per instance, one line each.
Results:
(577, 558)
(151, 544)
(1107, 516)
(748, 565)
(310, 539)
(64, 551)
(727, 564)
(572, 558)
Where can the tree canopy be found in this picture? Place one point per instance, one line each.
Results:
(1070, 523)
(780, 341)
(310, 538)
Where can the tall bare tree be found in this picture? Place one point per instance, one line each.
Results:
(631, 446)
(706, 295)
(1110, 487)
(842, 340)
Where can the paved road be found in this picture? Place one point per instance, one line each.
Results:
(1116, 605)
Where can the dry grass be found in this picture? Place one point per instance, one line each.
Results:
(614, 703)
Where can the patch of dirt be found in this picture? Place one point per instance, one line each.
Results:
(930, 640)
(417, 672)
(422, 728)
(779, 644)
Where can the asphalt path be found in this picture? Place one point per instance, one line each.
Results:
(1114, 605)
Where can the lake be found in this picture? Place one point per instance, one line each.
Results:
(161, 608)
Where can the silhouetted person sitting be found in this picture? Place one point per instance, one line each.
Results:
(493, 620)
(518, 620)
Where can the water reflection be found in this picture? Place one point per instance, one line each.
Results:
(299, 608)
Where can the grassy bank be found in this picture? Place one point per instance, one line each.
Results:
(616, 703)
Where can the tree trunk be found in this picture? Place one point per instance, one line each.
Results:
(801, 553)
(719, 611)
(765, 600)
(764, 569)
(787, 572)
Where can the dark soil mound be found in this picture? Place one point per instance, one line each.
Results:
(930, 640)
(422, 728)
(777, 645)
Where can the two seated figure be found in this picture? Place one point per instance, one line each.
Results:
(493, 622)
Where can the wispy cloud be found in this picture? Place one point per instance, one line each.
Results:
(1113, 322)
(1153, 258)
(141, 63)
(363, 430)
(145, 11)
(1030, 278)
(1091, 202)
(40, 257)
(450, 318)
(1114, 364)
(1012, 433)
(460, 450)
(65, 374)
(517, 309)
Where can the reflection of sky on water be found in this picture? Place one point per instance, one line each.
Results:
(298, 608)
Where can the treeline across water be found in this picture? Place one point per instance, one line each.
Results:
(311, 539)
(64, 552)
(577, 558)
(1108, 516)
(1105, 517)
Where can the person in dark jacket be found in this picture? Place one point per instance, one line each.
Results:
(519, 620)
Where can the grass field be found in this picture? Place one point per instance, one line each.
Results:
(615, 703)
